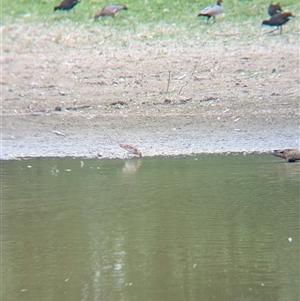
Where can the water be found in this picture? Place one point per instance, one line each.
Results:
(211, 227)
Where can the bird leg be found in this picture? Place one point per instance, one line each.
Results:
(274, 30)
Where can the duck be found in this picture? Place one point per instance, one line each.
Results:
(212, 11)
(66, 5)
(110, 10)
(289, 154)
(278, 20)
(131, 149)
(274, 9)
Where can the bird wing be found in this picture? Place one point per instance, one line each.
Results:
(207, 9)
(212, 10)
(112, 8)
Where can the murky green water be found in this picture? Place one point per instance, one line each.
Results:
(193, 228)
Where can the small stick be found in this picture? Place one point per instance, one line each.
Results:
(169, 79)
(58, 133)
(185, 84)
(226, 34)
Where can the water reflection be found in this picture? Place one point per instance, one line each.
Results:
(193, 228)
(131, 166)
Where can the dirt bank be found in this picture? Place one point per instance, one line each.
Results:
(75, 99)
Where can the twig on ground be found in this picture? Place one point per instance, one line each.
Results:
(58, 133)
(226, 34)
(169, 79)
(185, 84)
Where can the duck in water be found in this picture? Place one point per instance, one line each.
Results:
(289, 154)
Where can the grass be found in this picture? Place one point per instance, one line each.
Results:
(178, 12)
(149, 19)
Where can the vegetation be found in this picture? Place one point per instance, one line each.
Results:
(147, 11)
(150, 19)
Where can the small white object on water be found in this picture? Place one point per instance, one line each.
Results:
(29, 166)
(290, 239)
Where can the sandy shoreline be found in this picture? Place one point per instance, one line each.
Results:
(79, 136)
(73, 98)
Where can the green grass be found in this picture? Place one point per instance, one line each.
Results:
(158, 19)
(154, 11)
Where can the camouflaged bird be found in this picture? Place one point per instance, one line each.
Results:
(131, 149)
(289, 154)
(110, 10)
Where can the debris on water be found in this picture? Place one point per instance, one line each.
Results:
(29, 166)
(54, 169)
(81, 164)
(290, 239)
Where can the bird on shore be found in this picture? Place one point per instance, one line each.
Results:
(110, 10)
(131, 149)
(212, 11)
(274, 9)
(66, 5)
(278, 20)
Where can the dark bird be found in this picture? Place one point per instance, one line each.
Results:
(110, 10)
(66, 5)
(278, 20)
(211, 11)
(289, 154)
(274, 9)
